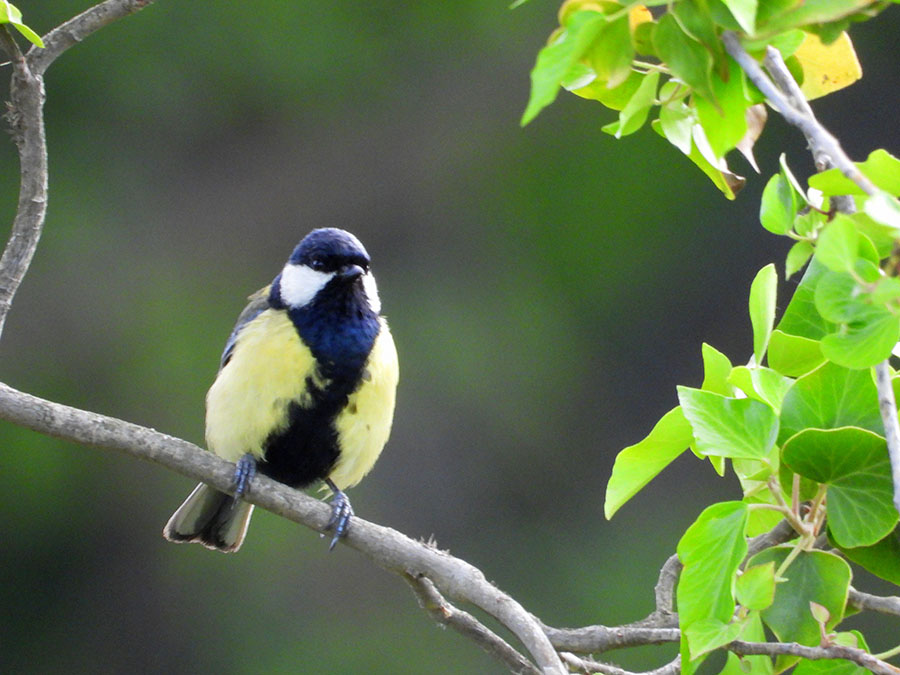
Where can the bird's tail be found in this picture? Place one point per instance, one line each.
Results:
(212, 518)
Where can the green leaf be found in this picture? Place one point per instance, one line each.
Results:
(11, 14)
(685, 57)
(716, 369)
(800, 316)
(813, 576)
(838, 244)
(708, 634)
(556, 59)
(695, 19)
(762, 384)
(778, 206)
(804, 13)
(854, 464)
(596, 90)
(881, 559)
(749, 665)
(724, 118)
(793, 355)
(717, 171)
(635, 112)
(831, 397)
(729, 427)
(762, 308)
(881, 168)
(711, 550)
(838, 298)
(677, 120)
(611, 52)
(884, 209)
(638, 464)
(865, 341)
(797, 256)
(756, 586)
(744, 11)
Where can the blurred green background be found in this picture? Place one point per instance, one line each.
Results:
(547, 289)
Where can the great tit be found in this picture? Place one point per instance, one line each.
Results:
(305, 389)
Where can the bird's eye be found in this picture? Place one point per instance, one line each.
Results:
(317, 264)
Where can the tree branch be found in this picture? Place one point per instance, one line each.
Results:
(591, 666)
(26, 119)
(825, 147)
(875, 603)
(857, 656)
(78, 28)
(467, 625)
(388, 548)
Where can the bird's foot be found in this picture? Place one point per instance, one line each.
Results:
(243, 474)
(341, 512)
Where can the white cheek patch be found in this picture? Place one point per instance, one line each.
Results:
(371, 289)
(299, 284)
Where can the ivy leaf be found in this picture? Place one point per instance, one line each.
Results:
(634, 114)
(831, 397)
(762, 308)
(611, 52)
(677, 120)
(827, 68)
(716, 369)
(813, 576)
(755, 588)
(865, 341)
(11, 14)
(797, 257)
(729, 427)
(556, 59)
(744, 11)
(779, 205)
(725, 121)
(708, 634)
(711, 550)
(638, 464)
(685, 57)
(763, 384)
(838, 244)
(855, 466)
(881, 167)
(881, 559)
(793, 355)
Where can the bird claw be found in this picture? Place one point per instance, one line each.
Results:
(341, 511)
(244, 472)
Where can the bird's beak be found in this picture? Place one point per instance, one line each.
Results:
(350, 272)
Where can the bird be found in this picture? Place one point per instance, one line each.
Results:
(305, 390)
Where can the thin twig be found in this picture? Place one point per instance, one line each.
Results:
(78, 28)
(598, 639)
(876, 603)
(590, 666)
(467, 625)
(26, 119)
(821, 141)
(388, 548)
(857, 656)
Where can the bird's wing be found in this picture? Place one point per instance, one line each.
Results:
(259, 301)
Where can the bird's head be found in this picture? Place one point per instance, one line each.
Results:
(326, 260)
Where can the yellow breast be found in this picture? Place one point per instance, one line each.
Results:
(268, 369)
(365, 424)
(250, 397)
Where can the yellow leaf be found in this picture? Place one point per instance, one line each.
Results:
(827, 68)
(638, 15)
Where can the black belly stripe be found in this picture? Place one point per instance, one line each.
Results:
(339, 330)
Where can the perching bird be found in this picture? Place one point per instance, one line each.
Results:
(305, 389)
